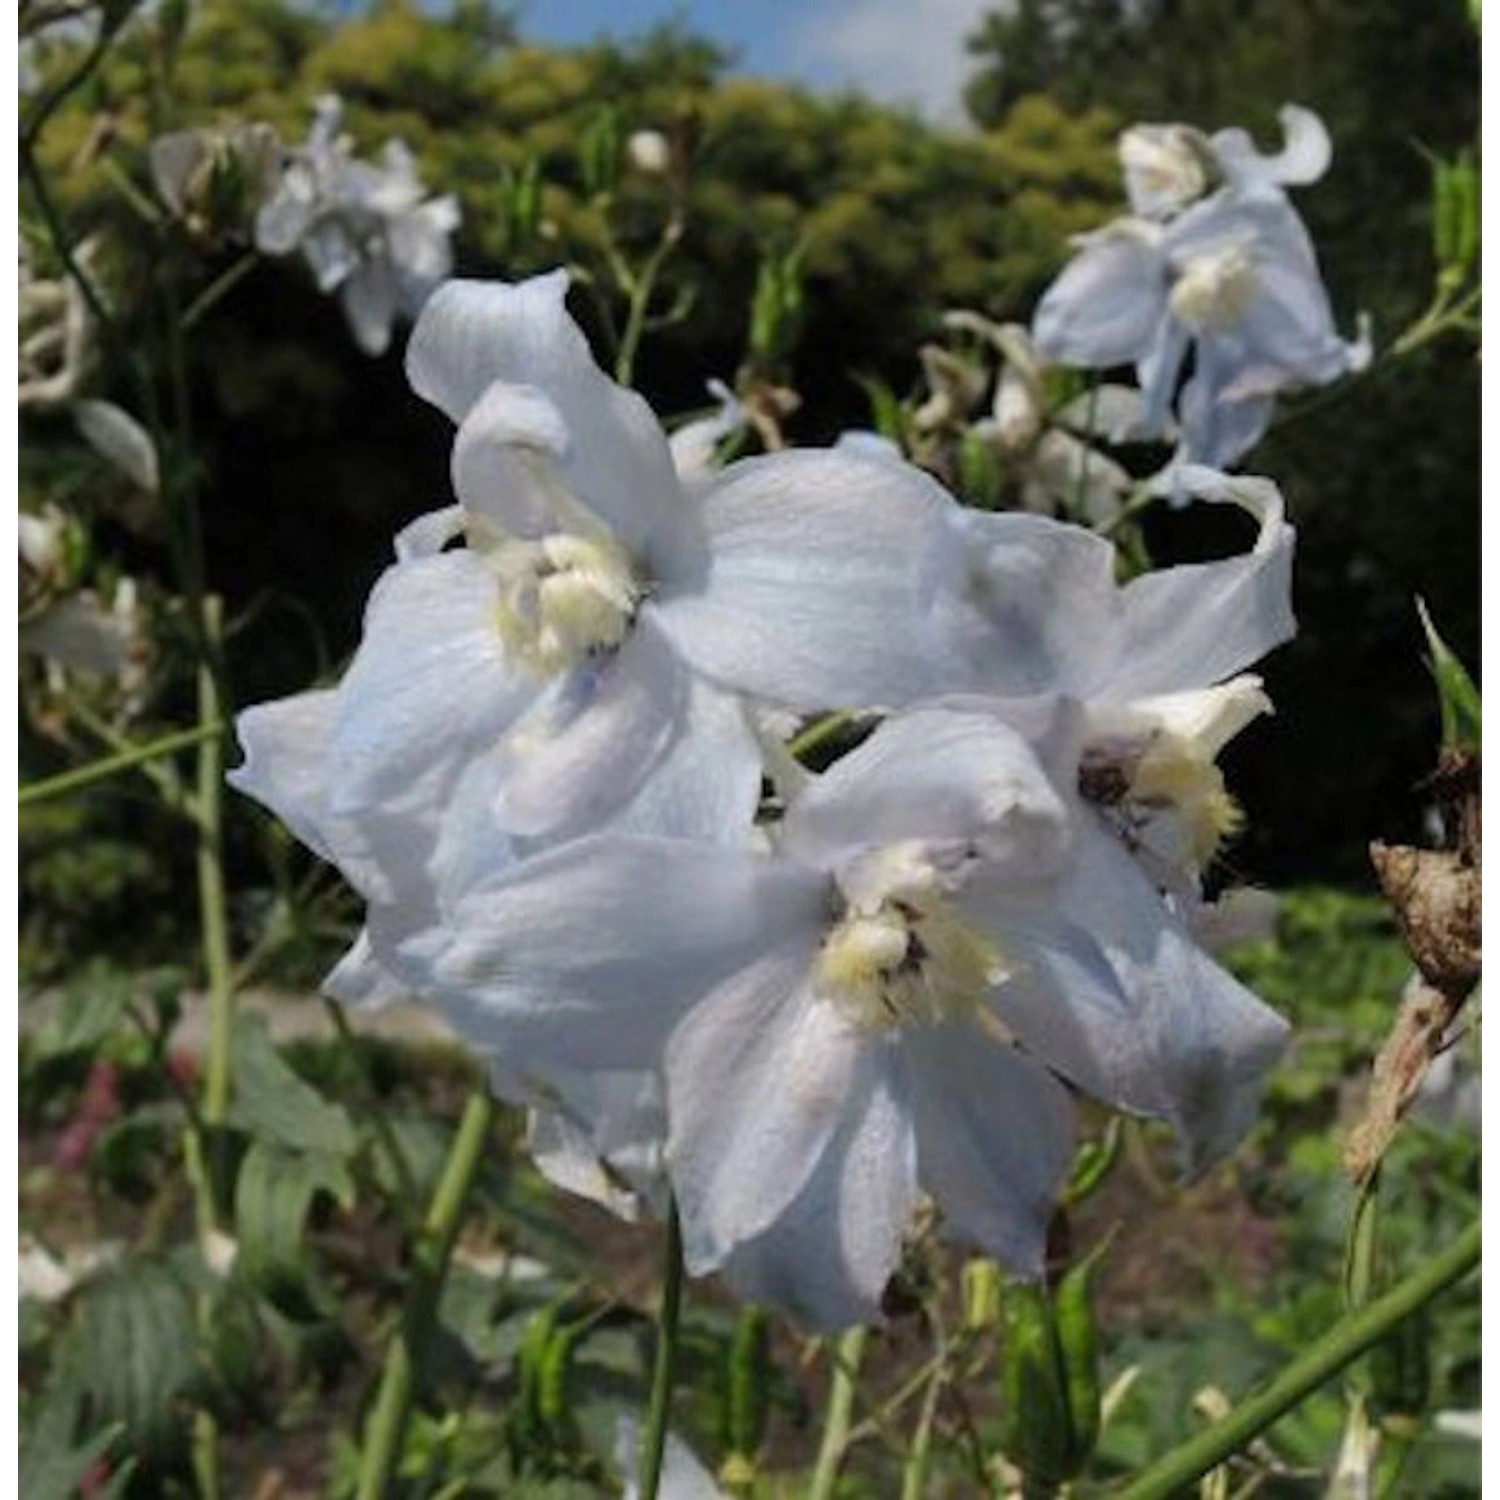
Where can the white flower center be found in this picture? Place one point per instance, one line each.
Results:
(900, 953)
(563, 598)
(1213, 289)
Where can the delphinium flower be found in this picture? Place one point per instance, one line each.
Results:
(552, 676)
(1214, 260)
(591, 638)
(1158, 663)
(367, 230)
(878, 1008)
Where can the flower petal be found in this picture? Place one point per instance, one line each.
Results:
(760, 1076)
(591, 748)
(815, 594)
(994, 1139)
(1105, 307)
(938, 775)
(588, 954)
(1024, 605)
(829, 1254)
(1213, 1039)
(1199, 623)
(471, 334)
(430, 682)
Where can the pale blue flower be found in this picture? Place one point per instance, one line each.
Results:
(368, 231)
(1231, 279)
(880, 1008)
(592, 637)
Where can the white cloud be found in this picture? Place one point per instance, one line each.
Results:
(907, 51)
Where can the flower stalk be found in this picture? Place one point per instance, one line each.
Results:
(386, 1431)
(664, 1368)
(847, 1358)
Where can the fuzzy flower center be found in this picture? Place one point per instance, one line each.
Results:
(899, 953)
(563, 599)
(1213, 289)
(1169, 773)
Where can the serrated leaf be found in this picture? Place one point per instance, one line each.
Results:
(274, 1195)
(274, 1103)
(1458, 698)
(133, 1353)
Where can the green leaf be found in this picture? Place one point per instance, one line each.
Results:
(274, 1195)
(133, 1351)
(88, 1012)
(1458, 698)
(52, 1461)
(274, 1103)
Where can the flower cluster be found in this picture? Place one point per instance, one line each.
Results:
(805, 1013)
(1213, 265)
(367, 230)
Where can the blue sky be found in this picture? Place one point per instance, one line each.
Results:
(908, 51)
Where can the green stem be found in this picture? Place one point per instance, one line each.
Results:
(212, 900)
(818, 732)
(914, 1476)
(665, 1365)
(1345, 1341)
(218, 289)
(846, 1362)
(640, 289)
(111, 765)
(385, 1432)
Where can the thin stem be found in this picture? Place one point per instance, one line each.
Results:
(31, 170)
(386, 1431)
(664, 1368)
(914, 1476)
(211, 893)
(846, 1362)
(640, 289)
(1345, 1341)
(217, 290)
(111, 765)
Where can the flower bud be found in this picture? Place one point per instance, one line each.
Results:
(983, 1289)
(649, 152)
(1036, 1432)
(748, 1385)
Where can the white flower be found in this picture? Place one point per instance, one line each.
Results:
(876, 1010)
(368, 231)
(591, 637)
(1233, 276)
(1032, 607)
